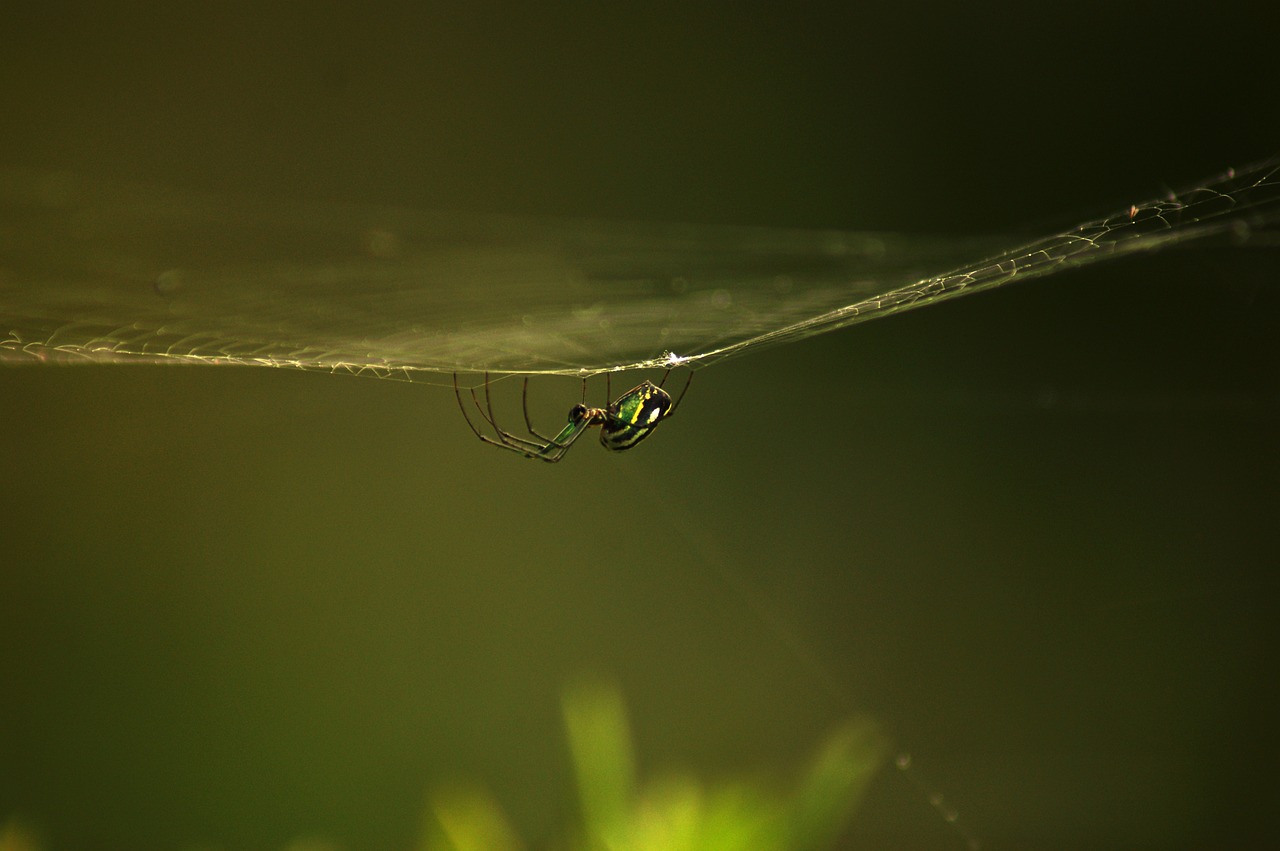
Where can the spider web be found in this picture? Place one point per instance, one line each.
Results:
(96, 272)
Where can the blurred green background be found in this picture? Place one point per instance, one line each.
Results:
(1032, 532)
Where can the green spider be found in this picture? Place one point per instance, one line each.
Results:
(626, 421)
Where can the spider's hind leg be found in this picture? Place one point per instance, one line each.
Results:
(503, 439)
(463, 408)
(528, 422)
(683, 390)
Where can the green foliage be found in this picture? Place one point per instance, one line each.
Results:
(674, 813)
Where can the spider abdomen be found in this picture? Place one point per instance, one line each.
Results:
(636, 413)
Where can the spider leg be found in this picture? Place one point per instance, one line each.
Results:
(551, 451)
(476, 431)
(505, 439)
(554, 450)
(461, 407)
(683, 391)
(519, 444)
(557, 446)
(529, 423)
(480, 408)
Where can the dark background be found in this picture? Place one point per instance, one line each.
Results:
(1032, 532)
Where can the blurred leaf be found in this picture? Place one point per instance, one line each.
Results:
(835, 785)
(679, 814)
(675, 813)
(311, 843)
(468, 819)
(600, 744)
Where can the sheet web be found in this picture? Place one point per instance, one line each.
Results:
(94, 272)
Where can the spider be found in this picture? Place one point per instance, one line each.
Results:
(626, 421)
